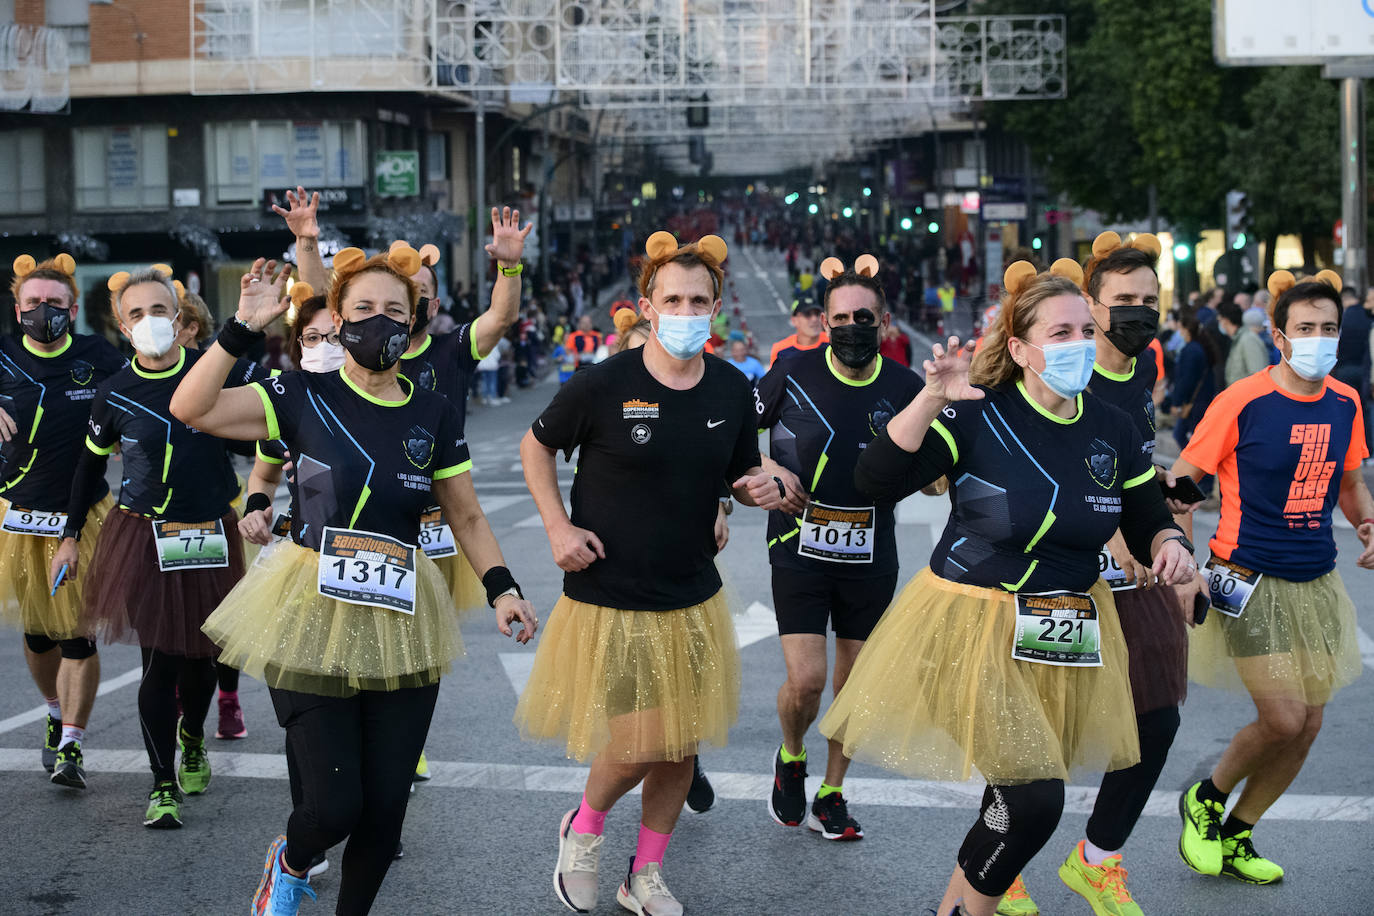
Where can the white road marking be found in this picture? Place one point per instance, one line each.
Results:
(749, 787)
(534, 521)
(493, 504)
(39, 712)
(757, 623)
(763, 278)
(1366, 647)
(517, 666)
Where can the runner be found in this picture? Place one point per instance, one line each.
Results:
(808, 321)
(172, 549)
(837, 562)
(48, 376)
(1006, 653)
(350, 626)
(584, 342)
(1287, 444)
(639, 665)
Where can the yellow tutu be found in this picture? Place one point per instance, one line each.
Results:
(463, 585)
(635, 685)
(276, 627)
(26, 602)
(1294, 641)
(935, 692)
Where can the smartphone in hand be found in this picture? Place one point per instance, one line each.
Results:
(1185, 490)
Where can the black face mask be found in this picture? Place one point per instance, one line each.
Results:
(375, 343)
(46, 323)
(419, 322)
(855, 345)
(1130, 328)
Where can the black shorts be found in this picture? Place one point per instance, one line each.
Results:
(803, 601)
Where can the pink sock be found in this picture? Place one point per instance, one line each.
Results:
(652, 846)
(588, 819)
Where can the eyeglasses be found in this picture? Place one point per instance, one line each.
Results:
(313, 338)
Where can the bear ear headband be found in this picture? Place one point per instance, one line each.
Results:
(25, 264)
(402, 258)
(662, 244)
(429, 254)
(625, 319)
(301, 291)
(1107, 242)
(1021, 273)
(865, 266)
(1281, 281)
(118, 281)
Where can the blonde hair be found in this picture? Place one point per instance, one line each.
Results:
(193, 308)
(993, 365)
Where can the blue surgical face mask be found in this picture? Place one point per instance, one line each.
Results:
(1068, 366)
(1312, 357)
(683, 336)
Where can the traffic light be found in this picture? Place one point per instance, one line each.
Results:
(932, 227)
(1237, 216)
(906, 223)
(1037, 243)
(1182, 252)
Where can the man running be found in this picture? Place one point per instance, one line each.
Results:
(808, 322)
(838, 561)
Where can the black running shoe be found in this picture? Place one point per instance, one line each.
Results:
(701, 796)
(400, 851)
(70, 769)
(787, 805)
(830, 818)
(50, 740)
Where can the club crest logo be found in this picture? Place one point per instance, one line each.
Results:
(419, 447)
(82, 372)
(1101, 462)
(640, 433)
(879, 415)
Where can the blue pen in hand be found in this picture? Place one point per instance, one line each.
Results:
(61, 574)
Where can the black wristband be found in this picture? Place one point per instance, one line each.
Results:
(256, 502)
(497, 581)
(237, 338)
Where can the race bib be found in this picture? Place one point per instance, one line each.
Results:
(365, 568)
(837, 534)
(1057, 628)
(1231, 585)
(436, 537)
(190, 545)
(281, 528)
(34, 521)
(1111, 571)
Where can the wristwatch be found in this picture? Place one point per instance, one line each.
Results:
(727, 506)
(513, 590)
(1183, 539)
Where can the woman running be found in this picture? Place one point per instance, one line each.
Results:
(1006, 653)
(347, 622)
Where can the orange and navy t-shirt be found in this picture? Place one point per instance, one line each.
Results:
(1279, 458)
(789, 343)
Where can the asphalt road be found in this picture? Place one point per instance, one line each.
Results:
(480, 837)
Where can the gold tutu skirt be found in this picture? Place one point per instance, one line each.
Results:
(1294, 641)
(25, 600)
(633, 686)
(463, 585)
(935, 693)
(277, 627)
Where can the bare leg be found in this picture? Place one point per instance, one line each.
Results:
(77, 682)
(1270, 780)
(43, 669)
(846, 651)
(799, 698)
(665, 792)
(1279, 723)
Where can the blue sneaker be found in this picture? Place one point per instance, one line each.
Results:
(279, 892)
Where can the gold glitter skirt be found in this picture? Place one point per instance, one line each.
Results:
(463, 585)
(25, 600)
(935, 693)
(277, 627)
(633, 686)
(1294, 641)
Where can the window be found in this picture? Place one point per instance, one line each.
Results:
(436, 156)
(21, 171)
(121, 168)
(73, 19)
(245, 158)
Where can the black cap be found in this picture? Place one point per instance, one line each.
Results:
(806, 303)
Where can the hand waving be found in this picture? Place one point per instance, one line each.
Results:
(947, 372)
(507, 238)
(262, 294)
(300, 219)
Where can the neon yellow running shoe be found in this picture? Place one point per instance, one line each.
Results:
(1103, 886)
(1199, 842)
(194, 773)
(1240, 861)
(1016, 902)
(421, 769)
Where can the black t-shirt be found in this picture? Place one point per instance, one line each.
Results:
(1034, 496)
(652, 466)
(361, 463)
(171, 471)
(49, 396)
(445, 364)
(819, 423)
(1132, 392)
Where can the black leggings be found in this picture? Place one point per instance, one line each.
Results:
(1013, 825)
(165, 677)
(1124, 792)
(228, 678)
(354, 758)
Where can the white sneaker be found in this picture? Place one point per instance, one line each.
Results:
(644, 892)
(574, 877)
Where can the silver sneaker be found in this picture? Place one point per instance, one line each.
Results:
(574, 877)
(645, 892)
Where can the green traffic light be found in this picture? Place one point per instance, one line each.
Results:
(813, 209)
(848, 212)
(1182, 252)
(1239, 241)
(906, 223)
(1036, 243)
(920, 210)
(932, 227)
(868, 192)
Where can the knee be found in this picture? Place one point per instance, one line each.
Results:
(1283, 726)
(807, 687)
(1311, 726)
(78, 648)
(1157, 730)
(340, 816)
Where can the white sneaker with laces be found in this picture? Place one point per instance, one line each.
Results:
(645, 892)
(574, 877)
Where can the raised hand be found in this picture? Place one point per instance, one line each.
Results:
(507, 238)
(262, 294)
(300, 219)
(947, 372)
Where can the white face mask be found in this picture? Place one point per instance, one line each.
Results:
(153, 336)
(323, 357)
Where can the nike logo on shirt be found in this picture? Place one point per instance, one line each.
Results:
(712, 424)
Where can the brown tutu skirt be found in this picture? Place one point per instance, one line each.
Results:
(634, 686)
(1294, 641)
(26, 602)
(277, 627)
(1157, 640)
(129, 600)
(935, 693)
(463, 585)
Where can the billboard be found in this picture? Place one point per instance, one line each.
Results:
(1265, 32)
